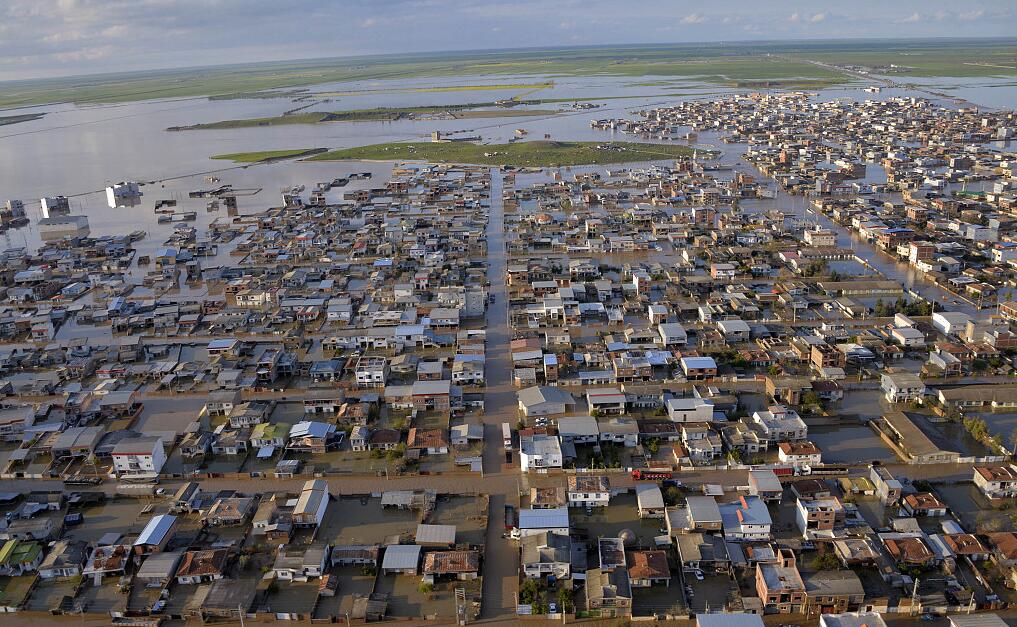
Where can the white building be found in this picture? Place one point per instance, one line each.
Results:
(539, 452)
(693, 409)
(799, 454)
(672, 334)
(950, 322)
(117, 193)
(908, 337)
(141, 457)
(781, 424)
(902, 387)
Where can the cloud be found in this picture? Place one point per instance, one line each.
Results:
(812, 18)
(59, 37)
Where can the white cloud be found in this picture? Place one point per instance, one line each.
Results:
(816, 18)
(693, 18)
(368, 22)
(914, 18)
(968, 16)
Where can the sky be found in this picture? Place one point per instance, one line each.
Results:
(45, 38)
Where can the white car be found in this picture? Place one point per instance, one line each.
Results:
(698, 574)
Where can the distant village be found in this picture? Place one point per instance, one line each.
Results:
(694, 390)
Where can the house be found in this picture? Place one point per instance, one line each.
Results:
(690, 409)
(779, 585)
(996, 482)
(296, 564)
(221, 402)
(19, 557)
(672, 334)
(230, 511)
(704, 513)
(156, 534)
(427, 441)
(624, 431)
(1004, 547)
(270, 434)
(546, 553)
(462, 565)
(545, 401)
(535, 521)
(888, 488)
(649, 500)
(140, 457)
(780, 424)
(765, 484)
(609, 592)
(371, 371)
(311, 437)
(724, 619)
(735, 331)
(698, 368)
(746, 519)
(648, 568)
(108, 561)
(539, 451)
(312, 503)
(819, 514)
(923, 504)
(605, 401)
(66, 558)
(403, 559)
(588, 490)
(355, 555)
(902, 387)
(908, 550)
(159, 569)
(833, 592)
(799, 454)
(435, 535)
(202, 566)
(581, 429)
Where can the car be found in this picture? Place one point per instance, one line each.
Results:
(928, 617)
(699, 575)
(160, 492)
(72, 520)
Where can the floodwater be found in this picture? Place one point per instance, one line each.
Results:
(76, 150)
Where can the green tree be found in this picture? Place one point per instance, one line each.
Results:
(826, 561)
(529, 591)
(565, 603)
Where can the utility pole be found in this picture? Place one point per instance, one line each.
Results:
(914, 596)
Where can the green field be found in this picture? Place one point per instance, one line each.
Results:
(721, 64)
(380, 114)
(267, 155)
(526, 154)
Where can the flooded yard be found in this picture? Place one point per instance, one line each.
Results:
(849, 444)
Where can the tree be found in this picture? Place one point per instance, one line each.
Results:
(565, 604)
(654, 445)
(826, 561)
(529, 591)
(425, 588)
(672, 495)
